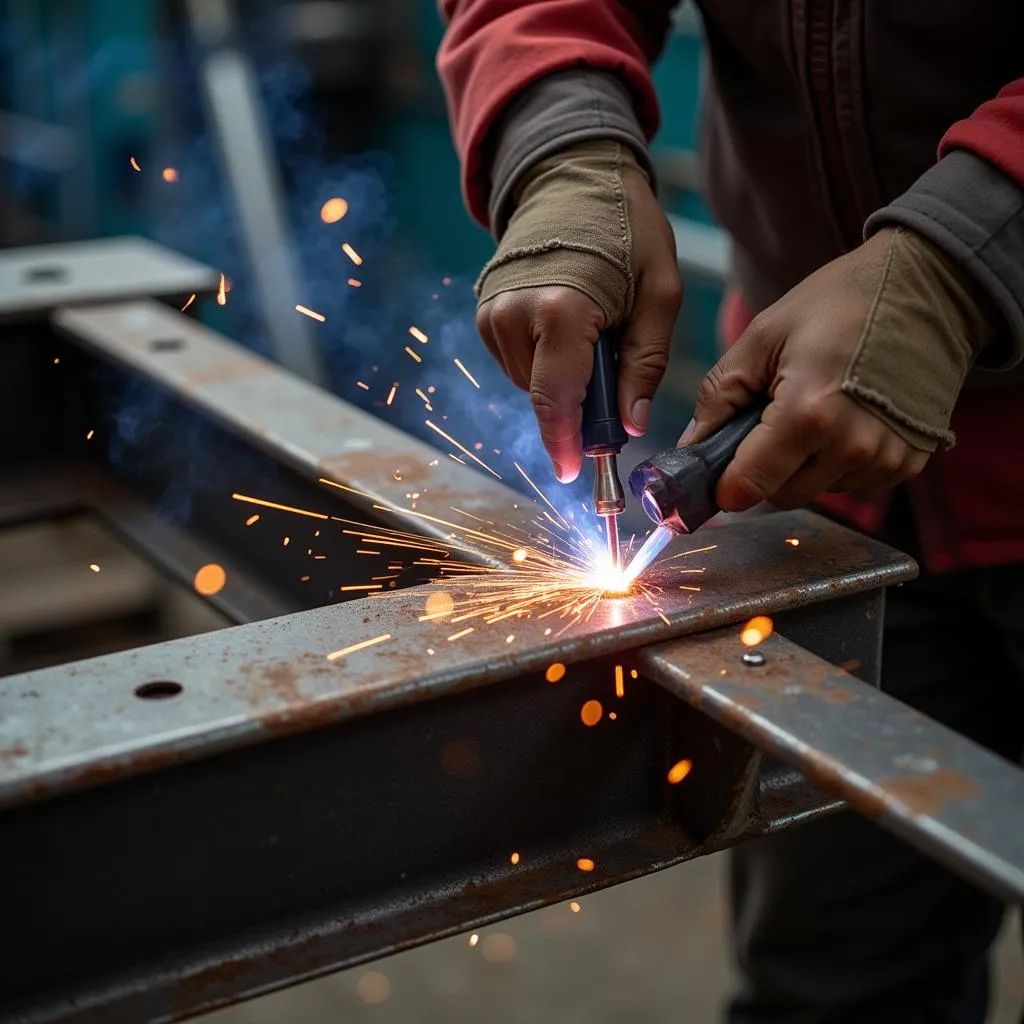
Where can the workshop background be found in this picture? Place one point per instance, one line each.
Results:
(222, 132)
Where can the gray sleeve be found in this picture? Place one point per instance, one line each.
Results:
(975, 214)
(558, 111)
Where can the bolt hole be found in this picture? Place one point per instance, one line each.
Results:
(161, 689)
(166, 344)
(45, 274)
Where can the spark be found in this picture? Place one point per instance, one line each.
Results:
(469, 376)
(620, 688)
(333, 210)
(514, 858)
(633, 674)
(366, 551)
(94, 567)
(135, 164)
(354, 282)
(88, 436)
(419, 336)
(756, 630)
(335, 655)
(540, 494)
(419, 391)
(363, 385)
(192, 298)
(391, 394)
(574, 907)
(281, 508)
(585, 864)
(352, 254)
(56, 361)
(362, 586)
(519, 555)
(222, 291)
(286, 542)
(462, 632)
(252, 519)
(210, 579)
(465, 451)
(474, 939)
(311, 313)
(591, 712)
(555, 672)
(793, 542)
(414, 355)
(510, 638)
(679, 771)
(169, 174)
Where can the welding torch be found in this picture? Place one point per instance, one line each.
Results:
(603, 439)
(677, 486)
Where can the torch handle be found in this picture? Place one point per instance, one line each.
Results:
(602, 427)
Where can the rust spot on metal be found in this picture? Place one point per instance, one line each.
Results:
(929, 794)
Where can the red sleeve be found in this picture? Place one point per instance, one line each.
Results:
(494, 49)
(995, 132)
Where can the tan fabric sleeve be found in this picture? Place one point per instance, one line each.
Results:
(927, 324)
(570, 227)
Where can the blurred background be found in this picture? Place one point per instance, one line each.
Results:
(261, 138)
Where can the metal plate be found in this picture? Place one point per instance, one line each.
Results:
(37, 279)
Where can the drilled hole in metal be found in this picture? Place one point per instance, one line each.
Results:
(160, 689)
(45, 274)
(166, 344)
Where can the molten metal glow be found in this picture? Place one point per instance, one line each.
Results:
(210, 579)
(591, 712)
(679, 771)
(756, 630)
(333, 210)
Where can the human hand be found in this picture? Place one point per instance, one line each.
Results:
(863, 360)
(588, 247)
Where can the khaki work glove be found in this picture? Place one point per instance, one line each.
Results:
(587, 247)
(864, 361)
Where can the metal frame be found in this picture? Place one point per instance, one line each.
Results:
(284, 815)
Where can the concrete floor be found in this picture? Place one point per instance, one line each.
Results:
(649, 952)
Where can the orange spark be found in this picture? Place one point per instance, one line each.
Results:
(252, 519)
(679, 771)
(793, 542)
(169, 174)
(555, 672)
(419, 335)
(135, 164)
(210, 579)
(333, 210)
(514, 858)
(88, 436)
(519, 555)
(94, 567)
(756, 630)
(591, 712)
(461, 632)
(192, 298)
(361, 384)
(311, 313)
(286, 542)
(620, 689)
(439, 603)
(280, 508)
(574, 907)
(633, 674)
(391, 394)
(469, 376)
(352, 254)
(510, 638)
(465, 451)
(222, 292)
(335, 655)
(354, 282)
(362, 586)
(415, 355)
(474, 939)
(585, 864)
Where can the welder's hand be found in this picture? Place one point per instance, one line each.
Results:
(587, 247)
(864, 361)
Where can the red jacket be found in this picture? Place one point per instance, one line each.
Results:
(969, 502)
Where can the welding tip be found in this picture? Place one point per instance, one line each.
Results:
(609, 499)
(611, 529)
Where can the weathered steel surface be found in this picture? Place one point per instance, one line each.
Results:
(35, 280)
(252, 682)
(939, 791)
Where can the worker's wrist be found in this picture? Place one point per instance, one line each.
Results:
(571, 227)
(924, 330)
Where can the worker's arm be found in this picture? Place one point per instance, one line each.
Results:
(865, 359)
(552, 103)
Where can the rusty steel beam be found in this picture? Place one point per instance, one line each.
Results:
(937, 790)
(283, 814)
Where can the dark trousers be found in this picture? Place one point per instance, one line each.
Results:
(839, 923)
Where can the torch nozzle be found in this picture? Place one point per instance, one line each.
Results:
(609, 501)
